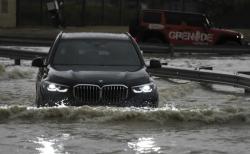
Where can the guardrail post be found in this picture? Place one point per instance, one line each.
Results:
(17, 61)
(247, 91)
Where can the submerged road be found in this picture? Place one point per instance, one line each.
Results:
(192, 118)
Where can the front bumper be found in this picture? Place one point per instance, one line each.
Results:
(48, 98)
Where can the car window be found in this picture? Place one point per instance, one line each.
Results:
(187, 19)
(195, 20)
(174, 18)
(152, 17)
(97, 53)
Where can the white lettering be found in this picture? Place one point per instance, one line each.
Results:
(172, 35)
(210, 37)
(193, 36)
(185, 36)
(197, 36)
(179, 35)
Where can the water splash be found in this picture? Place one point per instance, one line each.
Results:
(19, 74)
(16, 72)
(2, 70)
(160, 116)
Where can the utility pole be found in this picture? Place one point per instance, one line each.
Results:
(17, 12)
(41, 12)
(103, 11)
(183, 5)
(121, 11)
(83, 12)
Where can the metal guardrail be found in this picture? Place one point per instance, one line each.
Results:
(164, 49)
(25, 53)
(204, 76)
(22, 41)
(198, 75)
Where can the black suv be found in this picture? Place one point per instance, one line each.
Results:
(95, 69)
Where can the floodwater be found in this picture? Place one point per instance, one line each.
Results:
(192, 118)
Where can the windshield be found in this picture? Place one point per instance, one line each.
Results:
(96, 52)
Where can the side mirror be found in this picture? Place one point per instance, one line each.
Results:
(155, 63)
(38, 62)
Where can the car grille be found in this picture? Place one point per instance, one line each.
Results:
(92, 94)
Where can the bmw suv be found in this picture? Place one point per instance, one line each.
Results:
(95, 69)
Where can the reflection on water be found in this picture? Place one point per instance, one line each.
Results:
(144, 145)
(51, 146)
(47, 146)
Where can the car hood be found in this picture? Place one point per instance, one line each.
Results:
(227, 31)
(99, 75)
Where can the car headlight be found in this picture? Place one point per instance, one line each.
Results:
(145, 88)
(54, 87)
(241, 36)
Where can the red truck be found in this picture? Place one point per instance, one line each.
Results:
(179, 28)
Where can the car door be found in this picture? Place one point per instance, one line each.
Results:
(174, 28)
(186, 29)
(196, 32)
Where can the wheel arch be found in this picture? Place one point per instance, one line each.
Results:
(226, 38)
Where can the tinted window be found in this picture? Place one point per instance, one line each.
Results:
(174, 18)
(195, 20)
(152, 17)
(188, 19)
(96, 52)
